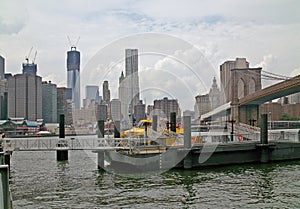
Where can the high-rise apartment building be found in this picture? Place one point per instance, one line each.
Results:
(101, 112)
(106, 92)
(92, 93)
(73, 76)
(2, 68)
(92, 96)
(115, 109)
(207, 102)
(140, 111)
(203, 104)
(165, 106)
(25, 96)
(3, 99)
(65, 104)
(129, 90)
(3, 90)
(49, 102)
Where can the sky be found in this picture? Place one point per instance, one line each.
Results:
(181, 43)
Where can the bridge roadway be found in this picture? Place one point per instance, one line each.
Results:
(261, 96)
(275, 91)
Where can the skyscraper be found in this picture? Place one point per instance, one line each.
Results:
(64, 104)
(116, 110)
(106, 92)
(3, 99)
(2, 67)
(3, 90)
(25, 96)
(49, 102)
(140, 111)
(131, 69)
(73, 76)
(166, 106)
(129, 90)
(29, 68)
(92, 93)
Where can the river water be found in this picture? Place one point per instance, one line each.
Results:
(39, 181)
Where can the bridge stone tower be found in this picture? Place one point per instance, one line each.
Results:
(238, 81)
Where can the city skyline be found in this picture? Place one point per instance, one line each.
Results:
(267, 36)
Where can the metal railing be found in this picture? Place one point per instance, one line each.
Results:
(94, 143)
(88, 143)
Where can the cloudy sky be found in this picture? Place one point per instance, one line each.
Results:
(182, 43)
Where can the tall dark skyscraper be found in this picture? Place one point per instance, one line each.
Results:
(29, 68)
(73, 76)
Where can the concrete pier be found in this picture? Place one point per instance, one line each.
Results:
(62, 148)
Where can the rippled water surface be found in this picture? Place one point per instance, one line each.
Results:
(39, 181)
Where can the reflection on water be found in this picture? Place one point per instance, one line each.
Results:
(38, 180)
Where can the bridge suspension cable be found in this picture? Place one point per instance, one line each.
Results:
(268, 75)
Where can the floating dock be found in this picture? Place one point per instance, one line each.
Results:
(191, 156)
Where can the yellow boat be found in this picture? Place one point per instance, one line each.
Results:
(139, 130)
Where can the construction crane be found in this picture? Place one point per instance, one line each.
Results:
(34, 57)
(73, 46)
(27, 57)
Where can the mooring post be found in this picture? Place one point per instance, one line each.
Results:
(173, 121)
(1, 158)
(4, 174)
(187, 162)
(100, 159)
(264, 157)
(116, 129)
(100, 128)
(264, 129)
(154, 122)
(187, 132)
(100, 132)
(62, 146)
(62, 126)
(282, 135)
(7, 159)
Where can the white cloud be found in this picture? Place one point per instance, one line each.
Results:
(267, 60)
(265, 32)
(295, 72)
